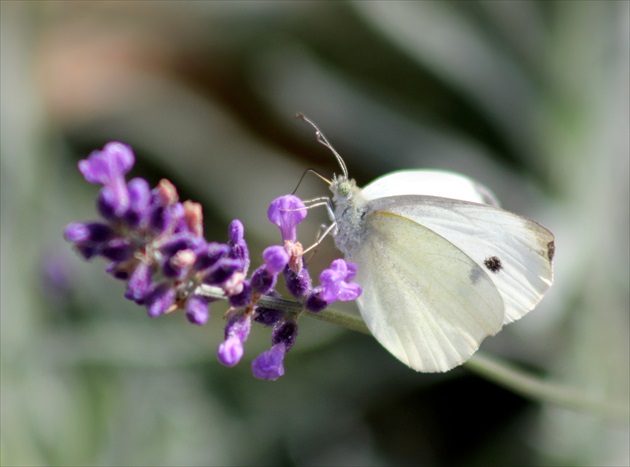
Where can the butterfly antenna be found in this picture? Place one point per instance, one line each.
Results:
(322, 140)
(313, 171)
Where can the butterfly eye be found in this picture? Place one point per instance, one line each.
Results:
(345, 189)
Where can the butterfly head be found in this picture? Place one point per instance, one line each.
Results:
(343, 188)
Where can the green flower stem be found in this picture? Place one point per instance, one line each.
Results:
(340, 318)
(492, 368)
(346, 320)
(507, 375)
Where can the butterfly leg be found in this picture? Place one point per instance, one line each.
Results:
(317, 202)
(332, 227)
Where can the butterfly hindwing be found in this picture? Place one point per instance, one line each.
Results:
(423, 298)
(437, 183)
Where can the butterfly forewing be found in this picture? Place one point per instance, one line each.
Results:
(515, 252)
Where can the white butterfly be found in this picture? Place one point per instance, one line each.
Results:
(441, 265)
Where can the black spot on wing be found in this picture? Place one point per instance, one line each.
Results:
(493, 263)
(551, 250)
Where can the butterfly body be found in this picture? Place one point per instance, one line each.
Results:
(349, 213)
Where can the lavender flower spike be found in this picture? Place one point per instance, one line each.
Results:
(156, 244)
(287, 212)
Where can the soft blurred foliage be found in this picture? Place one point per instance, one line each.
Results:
(530, 98)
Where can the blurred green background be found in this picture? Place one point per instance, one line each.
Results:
(530, 98)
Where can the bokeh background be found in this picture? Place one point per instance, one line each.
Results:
(530, 98)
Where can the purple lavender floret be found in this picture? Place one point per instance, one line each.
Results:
(160, 300)
(269, 364)
(335, 282)
(90, 238)
(268, 316)
(222, 271)
(162, 211)
(179, 255)
(178, 242)
(155, 243)
(239, 250)
(285, 332)
(197, 309)
(262, 282)
(237, 329)
(314, 303)
(298, 284)
(275, 258)
(108, 168)
(335, 285)
(264, 278)
(209, 254)
(287, 212)
(117, 250)
(139, 202)
(243, 298)
(140, 284)
(95, 232)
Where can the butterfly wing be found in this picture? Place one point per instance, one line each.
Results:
(424, 299)
(516, 253)
(429, 183)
